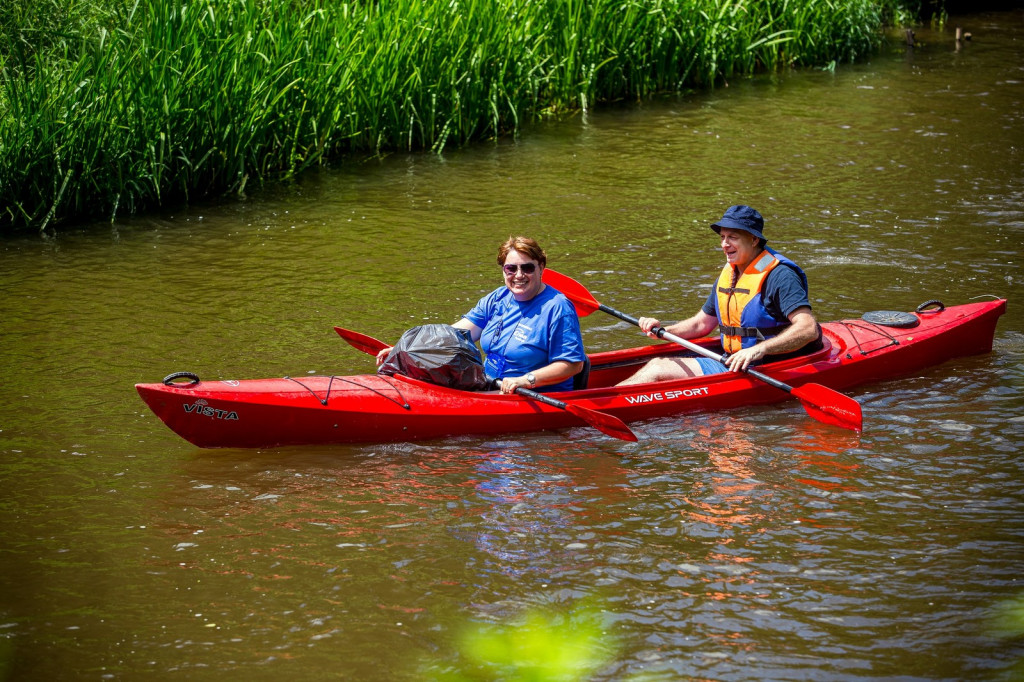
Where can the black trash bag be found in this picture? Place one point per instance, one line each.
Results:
(439, 354)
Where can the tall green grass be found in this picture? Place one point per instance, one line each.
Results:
(132, 104)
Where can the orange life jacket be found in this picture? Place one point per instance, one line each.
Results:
(742, 317)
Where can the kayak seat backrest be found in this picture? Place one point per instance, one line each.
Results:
(579, 382)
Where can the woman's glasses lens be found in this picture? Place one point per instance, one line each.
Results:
(527, 268)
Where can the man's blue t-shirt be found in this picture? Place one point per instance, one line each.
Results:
(519, 337)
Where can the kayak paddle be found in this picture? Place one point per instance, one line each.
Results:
(820, 402)
(602, 421)
(362, 342)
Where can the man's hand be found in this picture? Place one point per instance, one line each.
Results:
(647, 324)
(741, 360)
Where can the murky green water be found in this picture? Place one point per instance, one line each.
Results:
(756, 544)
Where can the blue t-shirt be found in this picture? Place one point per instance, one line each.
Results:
(519, 337)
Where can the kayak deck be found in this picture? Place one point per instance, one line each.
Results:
(372, 408)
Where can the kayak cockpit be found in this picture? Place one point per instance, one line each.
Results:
(609, 368)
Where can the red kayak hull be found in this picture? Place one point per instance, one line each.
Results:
(261, 413)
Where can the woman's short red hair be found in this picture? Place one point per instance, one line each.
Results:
(524, 245)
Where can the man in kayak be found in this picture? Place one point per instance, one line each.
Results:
(760, 303)
(529, 331)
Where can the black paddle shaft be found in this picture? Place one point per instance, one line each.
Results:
(547, 400)
(495, 384)
(662, 333)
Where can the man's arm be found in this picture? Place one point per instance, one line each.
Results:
(803, 329)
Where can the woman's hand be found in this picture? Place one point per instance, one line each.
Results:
(383, 355)
(510, 384)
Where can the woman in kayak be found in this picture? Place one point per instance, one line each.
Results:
(528, 330)
(760, 303)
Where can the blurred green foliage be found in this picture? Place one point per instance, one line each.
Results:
(544, 645)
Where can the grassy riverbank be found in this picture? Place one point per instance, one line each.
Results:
(121, 106)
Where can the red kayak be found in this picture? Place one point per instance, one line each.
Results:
(261, 413)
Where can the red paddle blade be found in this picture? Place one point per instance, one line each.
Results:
(603, 422)
(365, 343)
(582, 300)
(830, 407)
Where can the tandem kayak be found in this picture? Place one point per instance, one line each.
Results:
(262, 413)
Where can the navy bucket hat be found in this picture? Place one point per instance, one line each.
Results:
(742, 218)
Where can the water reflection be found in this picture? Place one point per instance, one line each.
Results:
(519, 508)
(728, 494)
(521, 502)
(816, 450)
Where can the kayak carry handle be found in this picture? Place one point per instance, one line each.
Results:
(193, 379)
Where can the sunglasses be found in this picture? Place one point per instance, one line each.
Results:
(526, 268)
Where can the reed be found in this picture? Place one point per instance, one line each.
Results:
(126, 106)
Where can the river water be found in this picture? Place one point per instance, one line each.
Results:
(753, 544)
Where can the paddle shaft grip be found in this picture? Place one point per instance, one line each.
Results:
(661, 333)
(495, 384)
(547, 400)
